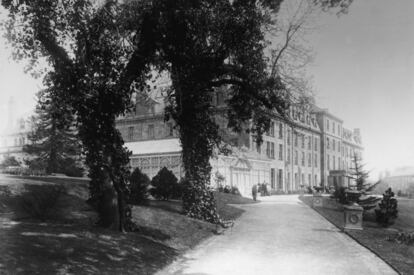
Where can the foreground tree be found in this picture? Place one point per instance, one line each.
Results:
(101, 52)
(53, 140)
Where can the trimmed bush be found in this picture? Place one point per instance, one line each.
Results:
(165, 185)
(388, 208)
(138, 184)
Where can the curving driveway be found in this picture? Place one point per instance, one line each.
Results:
(280, 235)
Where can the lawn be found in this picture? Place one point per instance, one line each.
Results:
(64, 240)
(377, 238)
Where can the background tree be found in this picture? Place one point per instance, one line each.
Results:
(53, 140)
(358, 174)
(101, 51)
(9, 161)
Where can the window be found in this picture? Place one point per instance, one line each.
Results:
(280, 131)
(316, 160)
(328, 160)
(150, 130)
(327, 143)
(303, 178)
(280, 178)
(296, 139)
(333, 144)
(333, 160)
(258, 148)
(309, 160)
(316, 144)
(170, 129)
(339, 163)
(288, 178)
(288, 137)
(333, 127)
(309, 179)
(271, 131)
(280, 152)
(138, 131)
(327, 124)
(303, 158)
(130, 133)
(309, 143)
(288, 156)
(339, 146)
(296, 157)
(270, 149)
(303, 141)
(272, 178)
(339, 129)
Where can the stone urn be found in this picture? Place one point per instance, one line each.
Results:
(353, 195)
(317, 200)
(353, 216)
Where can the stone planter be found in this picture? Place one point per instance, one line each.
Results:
(317, 200)
(353, 217)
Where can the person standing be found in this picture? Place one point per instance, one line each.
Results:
(254, 192)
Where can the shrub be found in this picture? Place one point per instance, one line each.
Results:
(235, 191)
(40, 201)
(138, 184)
(73, 171)
(165, 185)
(340, 195)
(388, 208)
(227, 189)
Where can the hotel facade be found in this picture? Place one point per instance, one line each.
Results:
(298, 151)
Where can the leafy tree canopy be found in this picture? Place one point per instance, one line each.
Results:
(102, 51)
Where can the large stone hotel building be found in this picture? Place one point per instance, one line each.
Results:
(297, 151)
(300, 150)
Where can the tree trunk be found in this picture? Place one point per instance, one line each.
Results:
(197, 135)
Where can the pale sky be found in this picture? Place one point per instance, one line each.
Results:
(363, 72)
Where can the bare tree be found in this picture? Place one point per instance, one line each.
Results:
(290, 52)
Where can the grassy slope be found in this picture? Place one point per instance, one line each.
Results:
(72, 245)
(374, 237)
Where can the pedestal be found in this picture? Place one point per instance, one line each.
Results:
(317, 200)
(353, 217)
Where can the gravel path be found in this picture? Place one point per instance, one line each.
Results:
(280, 235)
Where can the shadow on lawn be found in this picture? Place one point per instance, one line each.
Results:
(46, 248)
(45, 230)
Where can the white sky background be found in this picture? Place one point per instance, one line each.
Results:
(363, 72)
